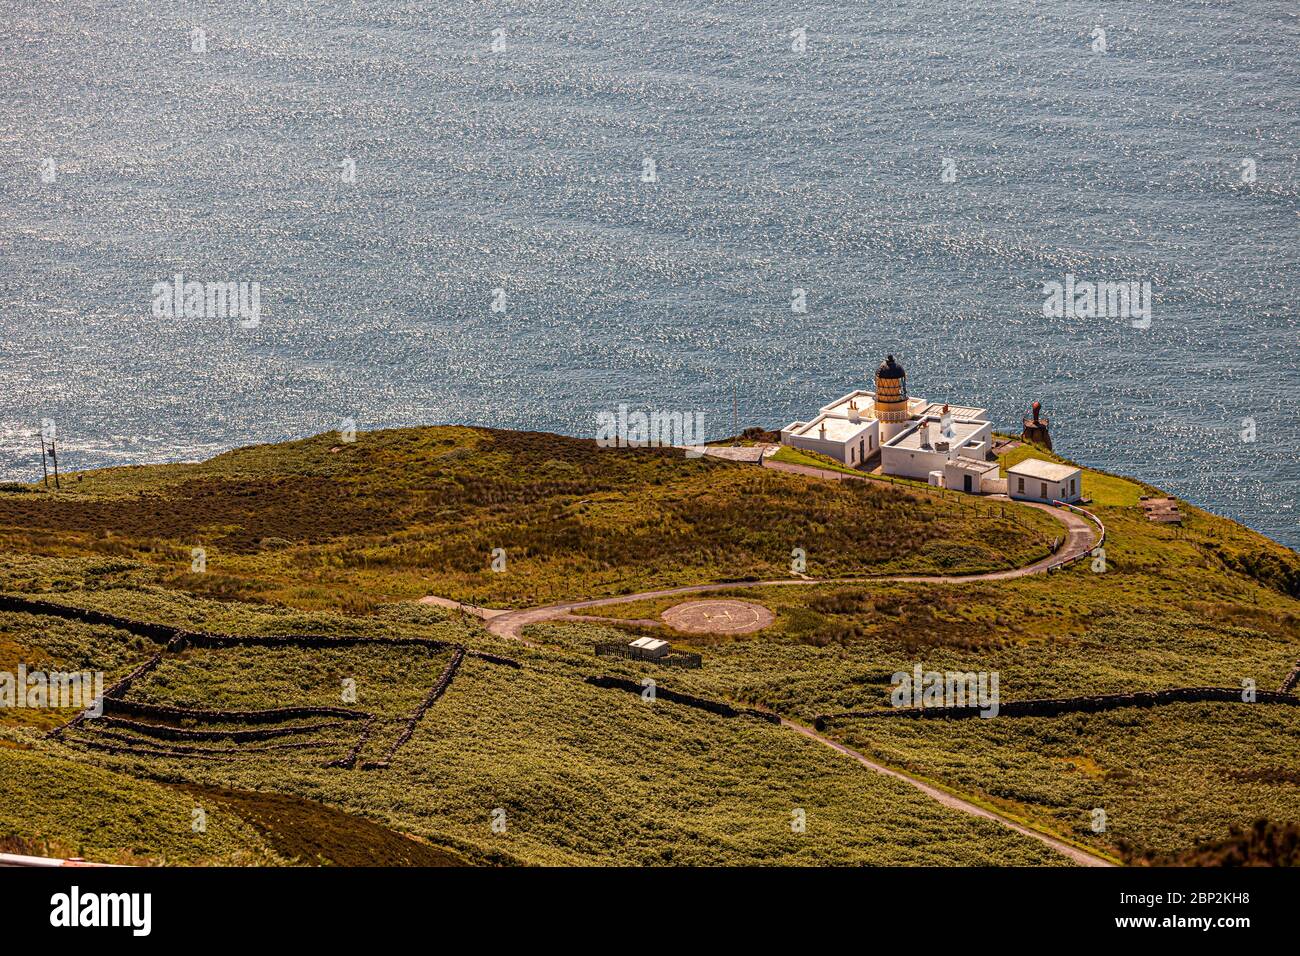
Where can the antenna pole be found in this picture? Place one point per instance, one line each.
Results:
(45, 470)
(54, 455)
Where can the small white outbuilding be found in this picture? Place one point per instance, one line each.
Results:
(1036, 480)
(971, 475)
(649, 648)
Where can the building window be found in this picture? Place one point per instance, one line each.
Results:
(1044, 485)
(1020, 485)
(1071, 487)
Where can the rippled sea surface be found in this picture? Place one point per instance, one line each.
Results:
(521, 169)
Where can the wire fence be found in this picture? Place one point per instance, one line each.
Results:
(682, 659)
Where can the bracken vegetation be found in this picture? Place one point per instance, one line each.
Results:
(581, 774)
(315, 524)
(321, 538)
(1264, 844)
(1175, 607)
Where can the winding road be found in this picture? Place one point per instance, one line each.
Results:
(1079, 540)
(1080, 535)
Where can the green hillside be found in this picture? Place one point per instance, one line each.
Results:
(415, 731)
(322, 524)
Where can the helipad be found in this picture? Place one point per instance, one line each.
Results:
(717, 617)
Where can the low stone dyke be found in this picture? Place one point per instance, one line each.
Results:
(496, 659)
(1054, 707)
(349, 760)
(719, 708)
(187, 751)
(437, 690)
(165, 732)
(158, 633)
(179, 638)
(1293, 678)
(135, 708)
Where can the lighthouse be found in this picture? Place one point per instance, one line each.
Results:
(891, 399)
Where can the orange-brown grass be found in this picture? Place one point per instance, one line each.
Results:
(397, 514)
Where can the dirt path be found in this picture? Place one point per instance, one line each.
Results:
(1081, 857)
(1078, 542)
(483, 612)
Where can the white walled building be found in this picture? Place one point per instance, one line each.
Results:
(906, 433)
(1036, 480)
(924, 447)
(948, 446)
(845, 440)
(974, 476)
(853, 428)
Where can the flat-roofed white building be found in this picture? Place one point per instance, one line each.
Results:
(650, 648)
(852, 428)
(845, 440)
(973, 476)
(1036, 480)
(913, 437)
(924, 447)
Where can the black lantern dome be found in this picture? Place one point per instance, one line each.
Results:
(890, 369)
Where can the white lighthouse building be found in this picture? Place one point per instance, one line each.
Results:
(942, 444)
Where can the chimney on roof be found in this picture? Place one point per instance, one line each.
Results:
(823, 431)
(923, 433)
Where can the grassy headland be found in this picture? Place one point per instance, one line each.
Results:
(329, 538)
(321, 524)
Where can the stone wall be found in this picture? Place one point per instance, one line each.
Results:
(1054, 707)
(436, 691)
(166, 732)
(661, 693)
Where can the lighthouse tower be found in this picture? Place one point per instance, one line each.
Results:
(891, 399)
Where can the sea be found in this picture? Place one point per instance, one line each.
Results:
(524, 214)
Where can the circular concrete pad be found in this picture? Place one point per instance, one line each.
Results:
(717, 617)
